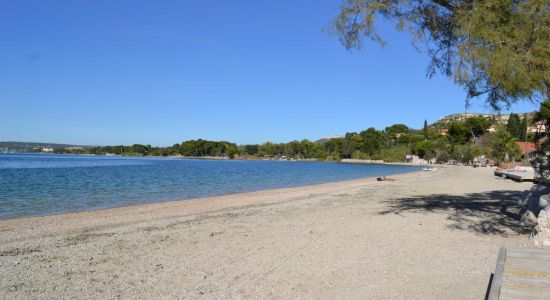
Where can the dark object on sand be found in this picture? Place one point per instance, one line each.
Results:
(384, 178)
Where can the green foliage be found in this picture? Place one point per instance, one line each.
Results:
(542, 161)
(333, 148)
(477, 126)
(425, 149)
(351, 143)
(517, 127)
(415, 138)
(524, 126)
(394, 132)
(393, 153)
(514, 126)
(457, 133)
(462, 132)
(543, 114)
(391, 144)
(200, 148)
(372, 140)
(504, 146)
(304, 149)
(506, 49)
(251, 149)
(465, 153)
(497, 48)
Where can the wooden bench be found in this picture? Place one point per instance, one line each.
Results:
(521, 273)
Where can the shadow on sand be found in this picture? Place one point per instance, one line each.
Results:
(488, 213)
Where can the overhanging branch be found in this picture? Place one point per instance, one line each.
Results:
(445, 4)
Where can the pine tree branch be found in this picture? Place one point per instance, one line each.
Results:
(445, 4)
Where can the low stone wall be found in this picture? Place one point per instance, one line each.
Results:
(535, 211)
(542, 230)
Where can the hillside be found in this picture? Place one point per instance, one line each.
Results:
(7, 147)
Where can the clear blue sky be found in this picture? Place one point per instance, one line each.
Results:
(160, 72)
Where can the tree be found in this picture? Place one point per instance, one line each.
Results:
(514, 126)
(415, 138)
(496, 48)
(425, 130)
(504, 146)
(524, 127)
(333, 147)
(465, 153)
(457, 133)
(543, 115)
(266, 148)
(477, 126)
(308, 149)
(292, 148)
(541, 161)
(251, 149)
(425, 149)
(231, 150)
(371, 141)
(351, 143)
(394, 132)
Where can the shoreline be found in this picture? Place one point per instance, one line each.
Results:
(342, 161)
(198, 205)
(167, 200)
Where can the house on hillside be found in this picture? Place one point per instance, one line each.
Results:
(492, 129)
(526, 148)
(540, 127)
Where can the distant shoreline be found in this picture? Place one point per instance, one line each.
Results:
(343, 161)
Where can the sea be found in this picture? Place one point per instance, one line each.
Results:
(47, 184)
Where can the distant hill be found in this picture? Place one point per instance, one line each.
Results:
(35, 147)
(328, 138)
(501, 118)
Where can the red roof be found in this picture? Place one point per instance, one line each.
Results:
(526, 147)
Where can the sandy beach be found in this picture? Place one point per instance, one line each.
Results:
(427, 235)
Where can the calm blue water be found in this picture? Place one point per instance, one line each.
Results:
(36, 184)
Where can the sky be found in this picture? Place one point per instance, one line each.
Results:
(161, 72)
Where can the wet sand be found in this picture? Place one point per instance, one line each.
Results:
(426, 235)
